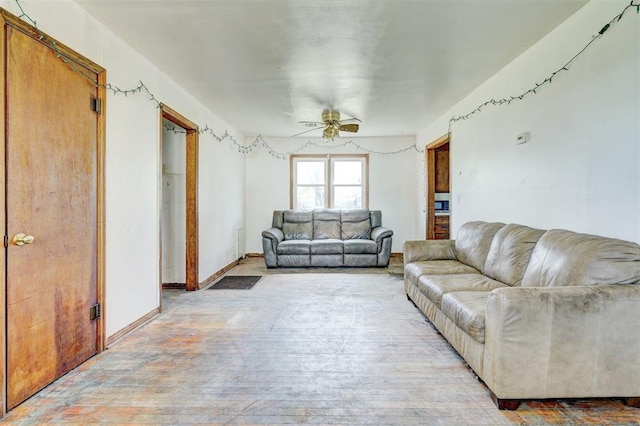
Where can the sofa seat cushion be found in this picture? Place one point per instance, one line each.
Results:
(467, 309)
(360, 247)
(328, 246)
(415, 270)
(294, 247)
(436, 286)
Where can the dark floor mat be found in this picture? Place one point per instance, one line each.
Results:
(236, 282)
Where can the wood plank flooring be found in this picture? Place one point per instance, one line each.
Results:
(298, 348)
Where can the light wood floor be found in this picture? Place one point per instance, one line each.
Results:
(324, 348)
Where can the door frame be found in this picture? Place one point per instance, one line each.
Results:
(430, 176)
(192, 142)
(70, 57)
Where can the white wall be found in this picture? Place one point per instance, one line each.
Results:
(133, 165)
(392, 182)
(580, 170)
(174, 204)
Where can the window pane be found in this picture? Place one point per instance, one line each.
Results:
(310, 173)
(309, 197)
(347, 197)
(347, 172)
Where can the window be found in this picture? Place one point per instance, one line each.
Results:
(330, 181)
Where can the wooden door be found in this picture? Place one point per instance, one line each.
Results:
(442, 168)
(51, 184)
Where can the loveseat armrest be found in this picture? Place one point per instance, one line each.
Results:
(274, 234)
(382, 236)
(416, 250)
(270, 239)
(379, 233)
(563, 342)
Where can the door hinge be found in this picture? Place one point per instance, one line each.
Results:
(95, 312)
(96, 105)
(6, 241)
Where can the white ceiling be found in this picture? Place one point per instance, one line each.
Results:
(265, 65)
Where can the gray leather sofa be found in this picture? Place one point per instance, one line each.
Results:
(327, 238)
(536, 314)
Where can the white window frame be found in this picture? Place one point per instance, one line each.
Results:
(329, 186)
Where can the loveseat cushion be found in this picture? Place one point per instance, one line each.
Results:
(436, 286)
(360, 246)
(298, 225)
(278, 219)
(356, 224)
(566, 258)
(327, 246)
(510, 252)
(415, 270)
(467, 309)
(294, 247)
(326, 224)
(473, 242)
(376, 218)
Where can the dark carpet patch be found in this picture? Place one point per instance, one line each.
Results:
(236, 282)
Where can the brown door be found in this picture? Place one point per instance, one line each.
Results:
(51, 195)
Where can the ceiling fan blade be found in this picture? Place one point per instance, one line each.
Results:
(349, 127)
(350, 119)
(306, 131)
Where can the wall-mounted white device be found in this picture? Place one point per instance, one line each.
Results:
(522, 138)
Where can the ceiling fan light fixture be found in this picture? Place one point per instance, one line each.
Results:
(330, 132)
(331, 124)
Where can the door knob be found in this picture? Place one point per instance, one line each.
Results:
(21, 239)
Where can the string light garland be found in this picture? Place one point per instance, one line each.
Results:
(260, 142)
(549, 79)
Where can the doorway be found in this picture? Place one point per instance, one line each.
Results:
(179, 183)
(174, 206)
(52, 195)
(438, 189)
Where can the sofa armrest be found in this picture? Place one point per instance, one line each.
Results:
(414, 251)
(379, 233)
(382, 236)
(274, 234)
(270, 239)
(563, 342)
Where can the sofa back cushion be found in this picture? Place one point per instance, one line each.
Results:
(356, 224)
(510, 252)
(298, 225)
(278, 219)
(376, 218)
(473, 242)
(326, 224)
(565, 258)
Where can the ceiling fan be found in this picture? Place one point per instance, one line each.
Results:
(332, 124)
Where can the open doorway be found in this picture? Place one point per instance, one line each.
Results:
(179, 202)
(174, 206)
(438, 189)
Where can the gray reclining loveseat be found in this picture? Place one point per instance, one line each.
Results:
(327, 238)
